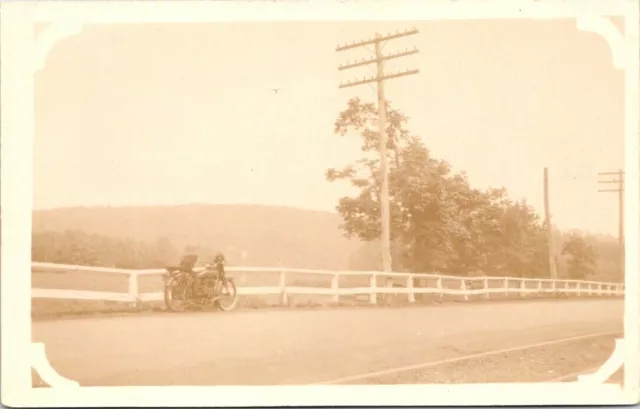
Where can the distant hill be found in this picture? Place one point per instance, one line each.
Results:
(265, 235)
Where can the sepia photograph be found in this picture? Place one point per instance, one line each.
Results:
(262, 194)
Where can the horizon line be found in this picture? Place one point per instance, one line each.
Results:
(584, 231)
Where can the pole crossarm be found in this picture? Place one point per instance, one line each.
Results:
(610, 181)
(377, 79)
(619, 180)
(610, 173)
(620, 191)
(375, 60)
(377, 39)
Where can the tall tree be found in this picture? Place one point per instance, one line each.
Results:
(438, 221)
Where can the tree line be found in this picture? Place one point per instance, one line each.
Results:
(80, 248)
(439, 222)
(582, 256)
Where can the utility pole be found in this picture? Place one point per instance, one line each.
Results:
(379, 79)
(620, 190)
(619, 181)
(547, 218)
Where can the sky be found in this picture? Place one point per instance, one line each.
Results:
(174, 113)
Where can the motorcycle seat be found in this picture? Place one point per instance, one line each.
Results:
(179, 268)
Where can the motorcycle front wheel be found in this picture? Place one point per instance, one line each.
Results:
(176, 294)
(228, 295)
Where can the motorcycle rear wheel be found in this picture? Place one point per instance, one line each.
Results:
(176, 291)
(229, 292)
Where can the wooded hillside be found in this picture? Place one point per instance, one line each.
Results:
(137, 236)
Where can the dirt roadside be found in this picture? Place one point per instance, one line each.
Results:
(47, 310)
(552, 363)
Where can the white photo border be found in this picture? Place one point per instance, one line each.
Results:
(22, 54)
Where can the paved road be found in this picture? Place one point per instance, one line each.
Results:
(304, 346)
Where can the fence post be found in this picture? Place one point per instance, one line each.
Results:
(284, 298)
(373, 286)
(334, 287)
(412, 297)
(522, 287)
(609, 292)
(539, 287)
(439, 287)
(133, 288)
(579, 287)
(505, 284)
(487, 294)
(554, 291)
(463, 287)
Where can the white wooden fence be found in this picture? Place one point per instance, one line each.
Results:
(441, 285)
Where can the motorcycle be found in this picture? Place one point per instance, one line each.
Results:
(184, 287)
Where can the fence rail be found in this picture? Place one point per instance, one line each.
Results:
(441, 285)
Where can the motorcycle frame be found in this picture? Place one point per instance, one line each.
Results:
(193, 280)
